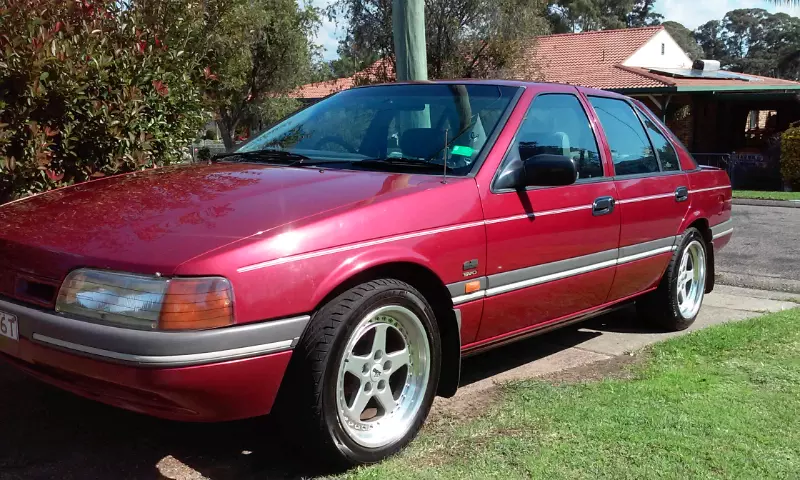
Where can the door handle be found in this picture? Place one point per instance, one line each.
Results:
(682, 194)
(603, 206)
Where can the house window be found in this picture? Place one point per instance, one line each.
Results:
(663, 48)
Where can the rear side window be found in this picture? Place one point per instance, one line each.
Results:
(557, 124)
(664, 149)
(631, 150)
(675, 140)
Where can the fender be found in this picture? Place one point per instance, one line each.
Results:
(448, 319)
(365, 260)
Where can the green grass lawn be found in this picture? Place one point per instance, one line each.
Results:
(755, 195)
(720, 403)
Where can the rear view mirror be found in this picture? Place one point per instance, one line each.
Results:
(548, 170)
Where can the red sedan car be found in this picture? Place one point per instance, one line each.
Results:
(348, 257)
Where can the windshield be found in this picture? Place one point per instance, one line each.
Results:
(402, 126)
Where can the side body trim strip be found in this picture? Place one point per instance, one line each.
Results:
(421, 233)
(170, 360)
(722, 234)
(538, 274)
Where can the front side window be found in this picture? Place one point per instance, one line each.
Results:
(557, 124)
(631, 150)
(666, 152)
(392, 127)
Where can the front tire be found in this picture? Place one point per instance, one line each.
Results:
(371, 363)
(675, 304)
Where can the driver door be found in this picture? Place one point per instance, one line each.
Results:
(551, 251)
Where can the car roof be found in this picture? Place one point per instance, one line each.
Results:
(500, 82)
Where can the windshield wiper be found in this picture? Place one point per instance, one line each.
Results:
(404, 161)
(375, 162)
(266, 155)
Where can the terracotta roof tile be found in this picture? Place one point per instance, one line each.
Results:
(588, 59)
(379, 72)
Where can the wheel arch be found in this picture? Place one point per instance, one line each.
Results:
(415, 272)
(702, 225)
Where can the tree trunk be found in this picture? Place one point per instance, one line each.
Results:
(227, 129)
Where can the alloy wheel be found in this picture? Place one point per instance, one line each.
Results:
(383, 376)
(691, 279)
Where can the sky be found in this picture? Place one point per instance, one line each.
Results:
(691, 13)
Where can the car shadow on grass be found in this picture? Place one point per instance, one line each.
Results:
(46, 433)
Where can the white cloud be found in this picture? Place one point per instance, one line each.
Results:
(329, 35)
(693, 13)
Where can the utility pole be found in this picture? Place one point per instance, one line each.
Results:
(408, 25)
(408, 28)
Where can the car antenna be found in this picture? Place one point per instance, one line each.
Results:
(444, 175)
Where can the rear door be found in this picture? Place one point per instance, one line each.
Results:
(652, 194)
(550, 250)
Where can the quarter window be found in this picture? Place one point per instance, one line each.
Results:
(557, 124)
(666, 152)
(631, 150)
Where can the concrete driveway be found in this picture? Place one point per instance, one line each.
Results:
(46, 433)
(765, 249)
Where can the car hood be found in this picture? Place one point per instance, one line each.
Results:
(153, 221)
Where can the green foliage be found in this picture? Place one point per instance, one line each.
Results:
(643, 15)
(258, 49)
(465, 38)
(204, 154)
(790, 155)
(685, 39)
(754, 41)
(586, 15)
(274, 109)
(88, 89)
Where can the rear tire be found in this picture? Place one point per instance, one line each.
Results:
(675, 304)
(367, 370)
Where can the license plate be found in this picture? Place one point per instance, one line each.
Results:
(9, 327)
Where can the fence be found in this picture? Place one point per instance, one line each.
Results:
(213, 146)
(747, 171)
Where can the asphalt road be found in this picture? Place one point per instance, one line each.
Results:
(764, 251)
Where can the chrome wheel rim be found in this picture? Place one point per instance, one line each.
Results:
(383, 376)
(691, 279)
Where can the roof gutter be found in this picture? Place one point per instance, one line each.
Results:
(740, 88)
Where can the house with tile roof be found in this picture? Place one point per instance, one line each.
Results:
(723, 117)
(726, 119)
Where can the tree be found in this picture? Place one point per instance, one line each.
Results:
(465, 38)
(709, 37)
(685, 39)
(642, 14)
(88, 89)
(257, 49)
(587, 15)
(754, 41)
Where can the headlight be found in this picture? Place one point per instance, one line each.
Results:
(145, 302)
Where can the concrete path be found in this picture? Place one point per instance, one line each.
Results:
(602, 338)
(767, 203)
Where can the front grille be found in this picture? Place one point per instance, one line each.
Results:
(28, 288)
(36, 290)
(7, 283)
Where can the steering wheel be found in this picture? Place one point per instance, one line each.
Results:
(337, 140)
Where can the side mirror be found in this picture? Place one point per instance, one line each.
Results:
(547, 170)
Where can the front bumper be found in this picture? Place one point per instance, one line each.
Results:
(211, 375)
